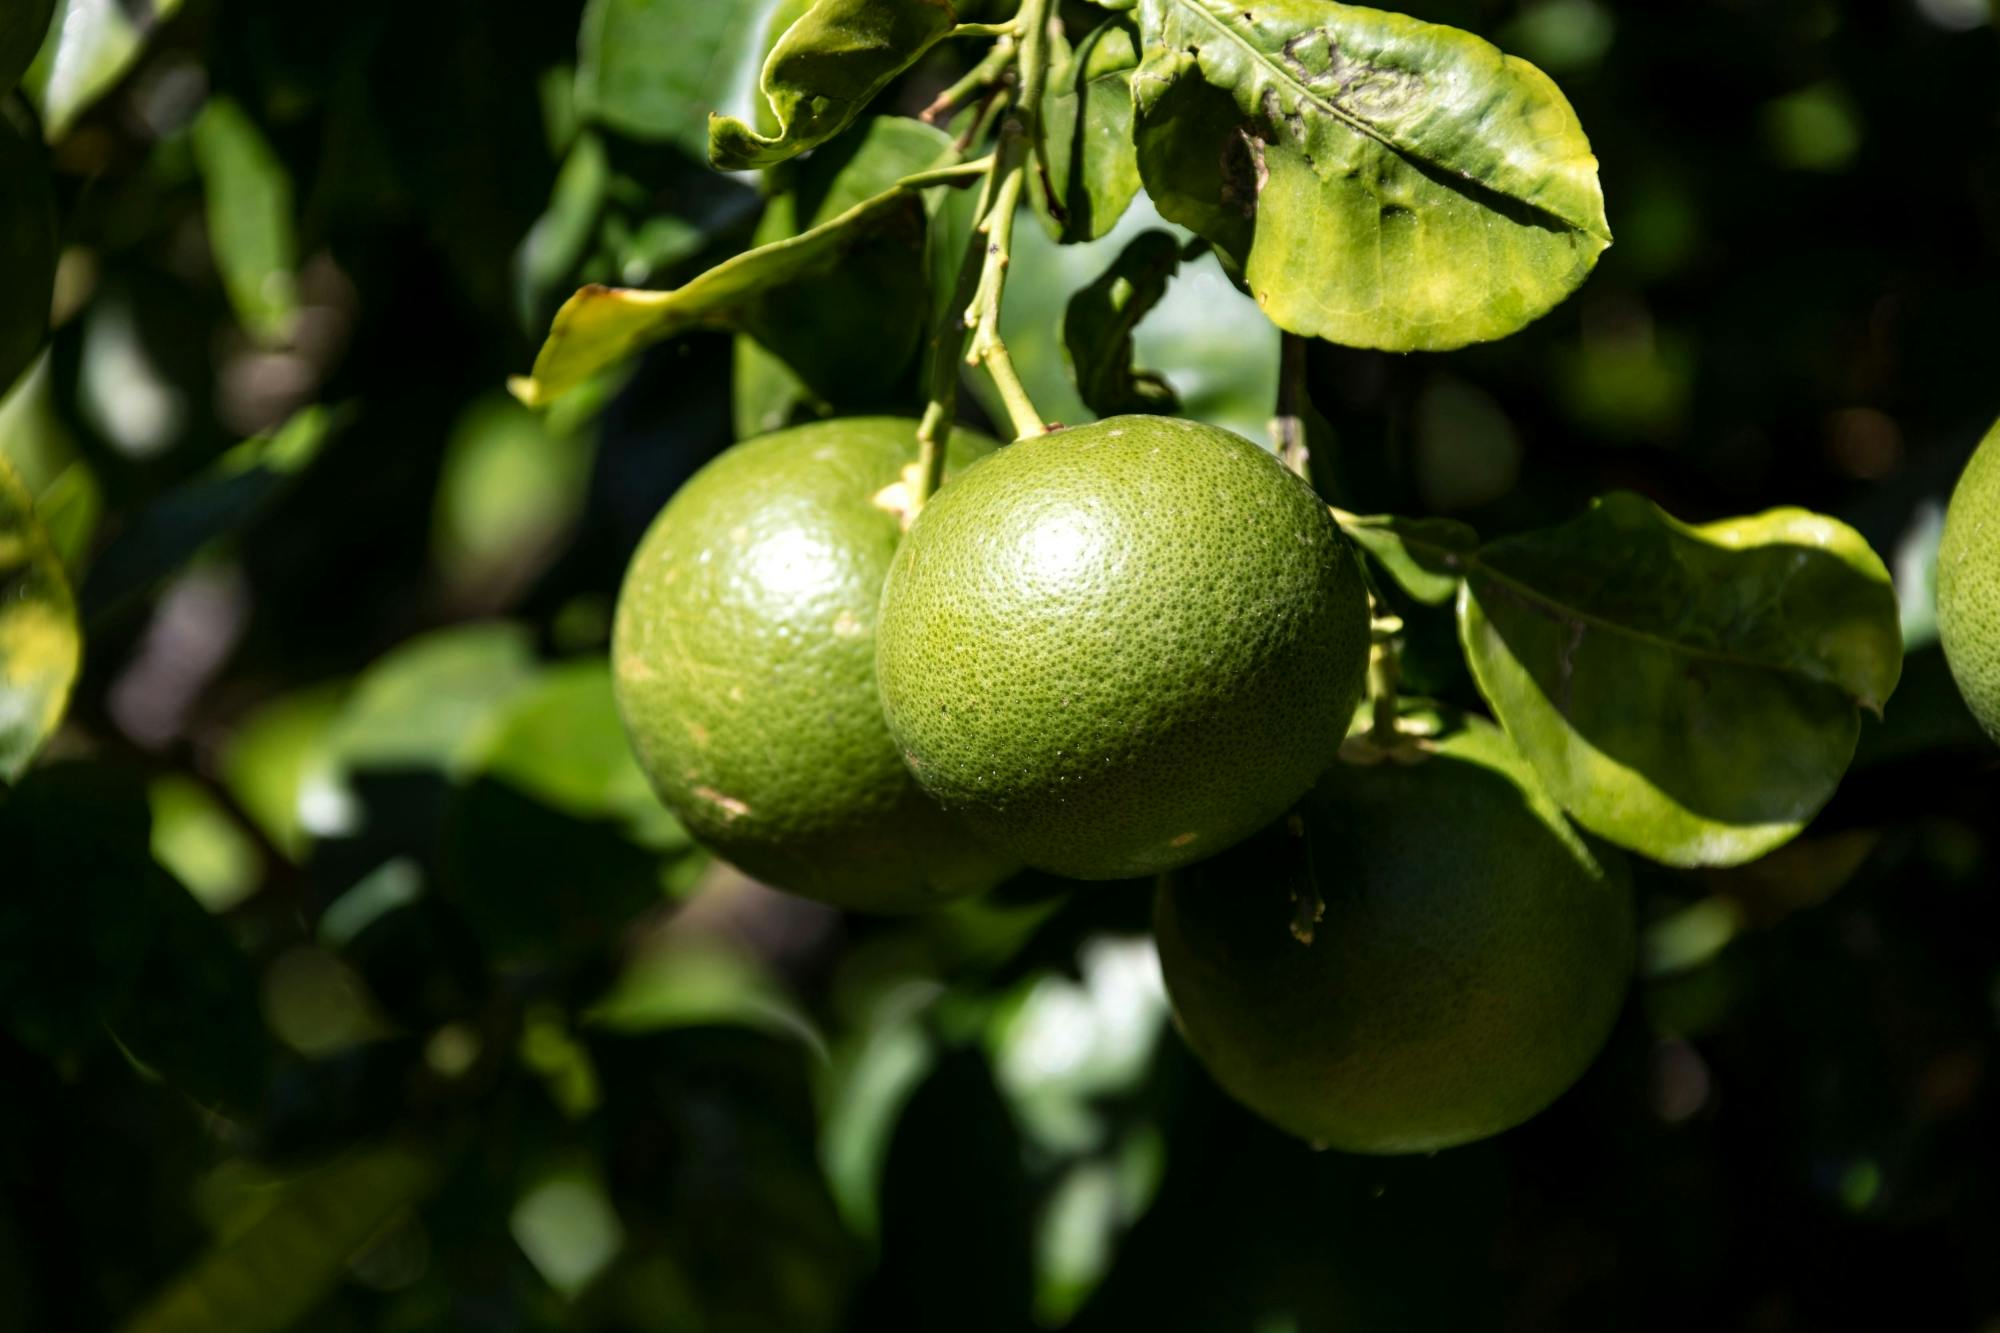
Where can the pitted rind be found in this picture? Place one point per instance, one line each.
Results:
(1968, 585)
(1118, 648)
(744, 662)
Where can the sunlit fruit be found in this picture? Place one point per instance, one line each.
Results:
(1473, 953)
(744, 658)
(1122, 647)
(1968, 584)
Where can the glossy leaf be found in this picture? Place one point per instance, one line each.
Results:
(600, 326)
(1425, 556)
(825, 69)
(250, 227)
(1101, 319)
(1692, 693)
(1383, 182)
(40, 645)
(655, 69)
(27, 251)
(90, 47)
(852, 332)
(1092, 165)
(23, 24)
(273, 1272)
(223, 499)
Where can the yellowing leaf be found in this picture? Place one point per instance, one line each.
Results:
(1383, 182)
(40, 645)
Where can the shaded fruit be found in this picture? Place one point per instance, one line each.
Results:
(1472, 958)
(27, 251)
(744, 662)
(1124, 646)
(1968, 584)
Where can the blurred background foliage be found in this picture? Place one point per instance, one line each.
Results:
(350, 978)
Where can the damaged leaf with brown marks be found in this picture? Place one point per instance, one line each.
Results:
(1690, 692)
(1382, 182)
(826, 68)
(40, 645)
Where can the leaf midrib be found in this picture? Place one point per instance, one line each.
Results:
(1353, 122)
(1540, 600)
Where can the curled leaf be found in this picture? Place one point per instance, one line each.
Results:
(1383, 182)
(601, 326)
(1099, 323)
(1692, 693)
(825, 69)
(844, 240)
(1092, 167)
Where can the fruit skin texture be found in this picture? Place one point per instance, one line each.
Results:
(743, 657)
(1122, 647)
(1471, 962)
(1968, 584)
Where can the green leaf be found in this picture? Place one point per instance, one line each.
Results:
(1692, 693)
(1382, 182)
(28, 243)
(655, 69)
(1426, 556)
(23, 25)
(40, 645)
(1205, 338)
(510, 489)
(273, 1272)
(560, 741)
(250, 226)
(91, 45)
(555, 245)
(1100, 321)
(1091, 163)
(428, 703)
(553, 839)
(225, 498)
(852, 332)
(700, 983)
(600, 326)
(825, 69)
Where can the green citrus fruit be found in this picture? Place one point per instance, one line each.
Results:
(1968, 584)
(744, 660)
(27, 251)
(1122, 647)
(1471, 960)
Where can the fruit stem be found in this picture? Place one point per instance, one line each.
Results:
(1007, 29)
(958, 173)
(1020, 139)
(1288, 427)
(982, 277)
(986, 74)
(1385, 675)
